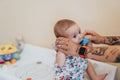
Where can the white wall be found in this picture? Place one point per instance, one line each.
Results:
(35, 18)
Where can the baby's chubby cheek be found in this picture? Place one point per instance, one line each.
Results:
(80, 38)
(76, 41)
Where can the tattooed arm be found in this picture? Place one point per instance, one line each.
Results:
(98, 39)
(105, 54)
(112, 40)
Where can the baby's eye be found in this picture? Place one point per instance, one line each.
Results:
(74, 36)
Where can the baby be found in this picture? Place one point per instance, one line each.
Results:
(72, 67)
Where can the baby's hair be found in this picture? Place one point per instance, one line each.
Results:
(61, 26)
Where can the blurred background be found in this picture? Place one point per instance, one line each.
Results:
(35, 19)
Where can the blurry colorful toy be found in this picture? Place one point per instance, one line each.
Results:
(8, 54)
(84, 41)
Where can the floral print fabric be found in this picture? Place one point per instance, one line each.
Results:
(73, 69)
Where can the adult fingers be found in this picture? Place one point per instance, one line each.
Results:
(88, 32)
(89, 37)
(61, 41)
(62, 46)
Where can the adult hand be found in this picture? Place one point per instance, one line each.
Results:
(94, 37)
(66, 46)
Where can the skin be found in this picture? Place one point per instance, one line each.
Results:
(112, 40)
(72, 33)
(73, 38)
(103, 53)
(110, 53)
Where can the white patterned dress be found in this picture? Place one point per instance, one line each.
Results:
(73, 69)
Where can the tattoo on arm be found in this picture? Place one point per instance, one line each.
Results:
(100, 51)
(113, 40)
(107, 57)
(114, 51)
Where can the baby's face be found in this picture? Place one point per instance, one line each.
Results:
(74, 33)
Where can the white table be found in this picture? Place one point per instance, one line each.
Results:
(32, 54)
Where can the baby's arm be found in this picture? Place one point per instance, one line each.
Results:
(60, 58)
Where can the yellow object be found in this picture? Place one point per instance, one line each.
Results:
(13, 61)
(7, 63)
(7, 49)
